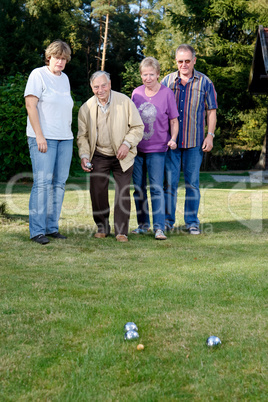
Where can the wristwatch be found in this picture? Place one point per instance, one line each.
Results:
(213, 135)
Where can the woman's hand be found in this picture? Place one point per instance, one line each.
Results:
(174, 129)
(41, 143)
(172, 144)
(31, 106)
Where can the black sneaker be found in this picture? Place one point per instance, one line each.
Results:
(41, 239)
(56, 235)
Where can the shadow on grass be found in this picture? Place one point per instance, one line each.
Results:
(16, 217)
(22, 183)
(207, 228)
(248, 225)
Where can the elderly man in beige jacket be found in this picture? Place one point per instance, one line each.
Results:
(109, 129)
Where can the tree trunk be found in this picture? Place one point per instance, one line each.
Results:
(105, 43)
(99, 49)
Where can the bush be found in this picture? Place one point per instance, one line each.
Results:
(75, 165)
(235, 160)
(14, 151)
(131, 77)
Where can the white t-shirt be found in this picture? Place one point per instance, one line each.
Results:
(54, 106)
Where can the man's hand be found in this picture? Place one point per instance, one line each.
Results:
(208, 143)
(122, 152)
(83, 165)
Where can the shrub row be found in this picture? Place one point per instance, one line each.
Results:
(14, 152)
(238, 160)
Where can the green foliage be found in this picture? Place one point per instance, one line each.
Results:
(102, 7)
(251, 135)
(26, 29)
(3, 209)
(14, 154)
(161, 37)
(122, 42)
(75, 165)
(131, 77)
(223, 33)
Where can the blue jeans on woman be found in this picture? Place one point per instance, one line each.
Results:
(190, 159)
(154, 164)
(50, 172)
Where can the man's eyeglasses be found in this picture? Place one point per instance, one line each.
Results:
(184, 61)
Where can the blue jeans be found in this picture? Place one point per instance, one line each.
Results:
(190, 159)
(50, 172)
(154, 164)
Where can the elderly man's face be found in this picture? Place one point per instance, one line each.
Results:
(185, 62)
(101, 87)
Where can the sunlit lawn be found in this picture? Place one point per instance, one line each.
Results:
(63, 306)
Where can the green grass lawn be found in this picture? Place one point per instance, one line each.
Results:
(63, 306)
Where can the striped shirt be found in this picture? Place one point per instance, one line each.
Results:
(193, 99)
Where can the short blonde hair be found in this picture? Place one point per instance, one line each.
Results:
(56, 49)
(150, 62)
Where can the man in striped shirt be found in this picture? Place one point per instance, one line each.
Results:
(197, 103)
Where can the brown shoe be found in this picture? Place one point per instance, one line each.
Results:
(100, 235)
(122, 238)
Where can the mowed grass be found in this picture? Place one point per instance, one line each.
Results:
(63, 306)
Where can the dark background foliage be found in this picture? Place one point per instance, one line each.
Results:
(223, 33)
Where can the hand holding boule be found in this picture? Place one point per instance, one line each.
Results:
(86, 165)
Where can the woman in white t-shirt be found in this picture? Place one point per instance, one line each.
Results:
(49, 106)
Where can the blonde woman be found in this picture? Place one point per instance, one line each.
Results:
(159, 113)
(49, 106)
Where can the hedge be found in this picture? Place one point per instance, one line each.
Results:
(14, 152)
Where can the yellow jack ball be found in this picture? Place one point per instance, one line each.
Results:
(140, 347)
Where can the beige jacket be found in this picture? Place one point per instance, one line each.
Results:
(125, 123)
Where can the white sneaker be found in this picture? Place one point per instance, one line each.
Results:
(159, 235)
(194, 231)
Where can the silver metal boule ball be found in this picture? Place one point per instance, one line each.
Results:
(130, 335)
(213, 341)
(130, 326)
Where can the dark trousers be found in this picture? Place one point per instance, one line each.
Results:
(99, 183)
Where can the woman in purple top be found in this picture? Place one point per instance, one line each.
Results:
(159, 113)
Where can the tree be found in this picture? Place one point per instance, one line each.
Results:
(100, 9)
(27, 27)
(161, 37)
(131, 77)
(121, 42)
(223, 33)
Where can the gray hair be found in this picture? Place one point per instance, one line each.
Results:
(99, 74)
(186, 48)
